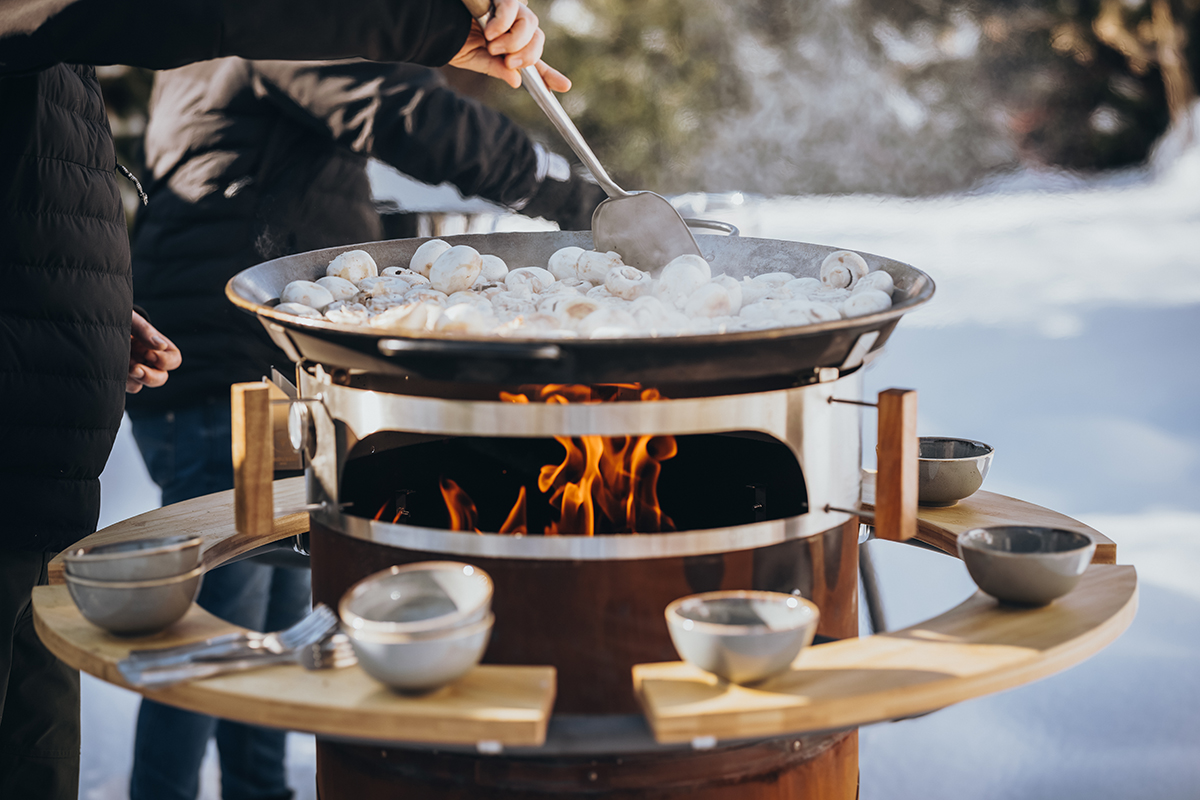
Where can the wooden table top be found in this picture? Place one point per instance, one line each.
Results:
(508, 705)
(940, 527)
(976, 648)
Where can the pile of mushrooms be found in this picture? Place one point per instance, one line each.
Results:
(580, 294)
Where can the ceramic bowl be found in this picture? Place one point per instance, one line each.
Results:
(426, 596)
(741, 636)
(132, 608)
(424, 662)
(142, 560)
(949, 470)
(1025, 565)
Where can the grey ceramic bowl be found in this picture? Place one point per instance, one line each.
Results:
(1025, 565)
(741, 636)
(142, 560)
(131, 608)
(426, 596)
(949, 470)
(423, 663)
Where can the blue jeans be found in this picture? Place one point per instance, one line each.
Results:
(187, 452)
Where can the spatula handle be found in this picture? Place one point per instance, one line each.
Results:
(481, 10)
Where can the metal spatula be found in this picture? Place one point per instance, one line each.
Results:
(643, 227)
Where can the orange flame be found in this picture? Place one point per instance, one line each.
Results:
(602, 481)
(463, 514)
(516, 518)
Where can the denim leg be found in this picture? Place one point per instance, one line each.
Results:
(291, 597)
(168, 749)
(253, 758)
(187, 450)
(187, 453)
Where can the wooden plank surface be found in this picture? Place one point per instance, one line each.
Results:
(211, 517)
(940, 527)
(506, 704)
(977, 648)
(971, 650)
(509, 705)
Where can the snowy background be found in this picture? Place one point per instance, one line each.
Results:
(1063, 333)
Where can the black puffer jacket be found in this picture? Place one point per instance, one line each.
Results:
(251, 160)
(65, 311)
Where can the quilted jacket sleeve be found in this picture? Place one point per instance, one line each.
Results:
(406, 116)
(160, 34)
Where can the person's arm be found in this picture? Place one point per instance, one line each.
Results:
(160, 34)
(407, 117)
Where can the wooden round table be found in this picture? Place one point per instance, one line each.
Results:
(976, 648)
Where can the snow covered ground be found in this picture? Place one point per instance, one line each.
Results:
(1064, 333)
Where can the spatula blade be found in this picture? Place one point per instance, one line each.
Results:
(644, 228)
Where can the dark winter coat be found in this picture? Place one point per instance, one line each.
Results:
(64, 261)
(251, 160)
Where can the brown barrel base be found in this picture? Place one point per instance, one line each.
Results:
(795, 768)
(594, 620)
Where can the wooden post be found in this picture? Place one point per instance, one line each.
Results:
(896, 481)
(253, 459)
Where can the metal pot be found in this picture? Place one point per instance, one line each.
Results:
(784, 355)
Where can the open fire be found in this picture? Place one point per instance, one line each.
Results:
(602, 483)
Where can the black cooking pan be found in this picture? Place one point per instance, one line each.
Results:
(781, 355)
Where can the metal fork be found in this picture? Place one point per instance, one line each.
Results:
(316, 625)
(332, 652)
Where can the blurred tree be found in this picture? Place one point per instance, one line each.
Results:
(1082, 84)
(648, 76)
(788, 97)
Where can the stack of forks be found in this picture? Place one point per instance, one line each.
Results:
(313, 642)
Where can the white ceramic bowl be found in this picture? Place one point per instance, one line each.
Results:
(742, 636)
(949, 470)
(1025, 565)
(425, 596)
(423, 662)
(141, 560)
(132, 608)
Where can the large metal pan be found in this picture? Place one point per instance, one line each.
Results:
(788, 355)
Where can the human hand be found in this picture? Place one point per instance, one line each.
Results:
(151, 356)
(512, 40)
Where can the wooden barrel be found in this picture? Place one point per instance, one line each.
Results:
(593, 620)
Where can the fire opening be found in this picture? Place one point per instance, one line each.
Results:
(712, 481)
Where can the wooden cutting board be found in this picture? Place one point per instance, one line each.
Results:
(977, 648)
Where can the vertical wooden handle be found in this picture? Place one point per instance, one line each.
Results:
(896, 481)
(253, 459)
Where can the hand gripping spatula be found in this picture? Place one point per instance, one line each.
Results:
(643, 227)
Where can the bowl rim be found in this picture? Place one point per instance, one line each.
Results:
(92, 583)
(672, 611)
(358, 622)
(990, 450)
(381, 637)
(965, 540)
(168, 544)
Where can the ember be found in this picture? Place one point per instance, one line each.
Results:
(606, 484)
